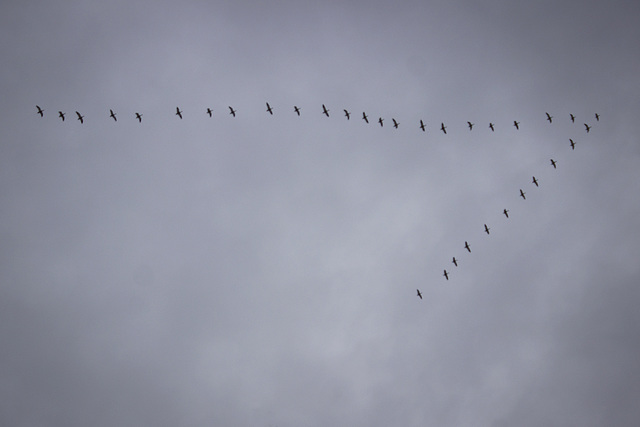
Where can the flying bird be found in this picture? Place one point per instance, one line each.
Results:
(419, 294)
(80, 117)
(553, 163)
(587, 127)
(269, 109)
(516, 124)
(549, 117)
(40, 111)
(364, 117)
(443, 128)
(422, 125)
(470, 125)
(573, 118)
(446, 275)
(597, 117)
(506, 212)
(61, 115)
(297, 110)
(178, 113)
(325, 111)
(380, 120)
(113, 115)
(455, 261)
(573, 144)
(491, 126)
(522, 193)
(347, 114)
(209, 112)
(395, 123)
(486, 229)
(535, 181)
(139, 117)
(466, 246)
(232, 111)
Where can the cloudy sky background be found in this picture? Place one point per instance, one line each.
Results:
(262, 270)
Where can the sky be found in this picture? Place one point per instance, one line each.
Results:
(263, 269)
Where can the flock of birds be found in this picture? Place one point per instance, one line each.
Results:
(380, 121)
(534, 181)
(325, 111)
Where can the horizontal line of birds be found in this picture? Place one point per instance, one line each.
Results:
(325, 111)
(505, 212)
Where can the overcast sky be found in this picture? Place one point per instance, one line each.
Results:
(262, 270)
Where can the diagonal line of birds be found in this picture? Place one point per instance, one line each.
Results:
(365, 118)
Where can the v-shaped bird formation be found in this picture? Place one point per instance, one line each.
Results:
(324, 110)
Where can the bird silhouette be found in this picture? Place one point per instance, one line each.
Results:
(443, 128)
(573, 118)
(419, 294)
(269, 110)
(455, 261)
(80, 117)
(113, 115)
(232, 111)
(506, 212)
(61, 115)
(395, 123)
(573, 144)
(535, 181)
(553, 163)
(209, 112)
(587, 127)
(491, 126)
(422, 125)
(297, 110)
(325, 111)
(364, 117)
(470, 125)
(597, 117)
(446, 275)
(486, 229)
(178, 113)
(516, 124)
(549, 117)
(466, 246)
(347, 114)
(139, 117)
(40, 111)
(522, 193)
(380, 120)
